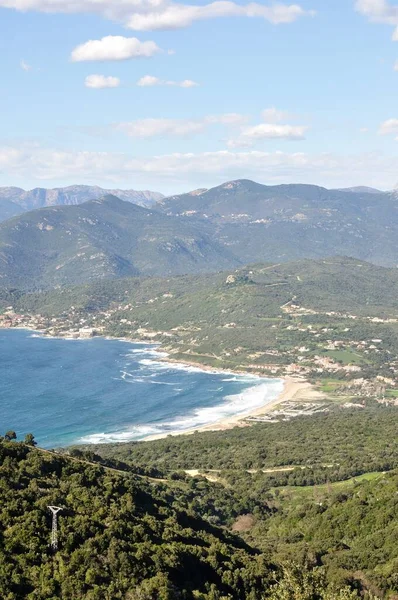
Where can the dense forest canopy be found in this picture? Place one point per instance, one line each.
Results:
(136, 525)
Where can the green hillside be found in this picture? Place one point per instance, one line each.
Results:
(240, 222)
(288, 222)
(333, 284)
(126, 536)
(314, 489)
(119, 537)
(258, 317)
(104, 238)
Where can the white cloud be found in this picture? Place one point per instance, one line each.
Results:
(101, 81)
(186, 83)
(114, 47)
(151, 81)
(267, 131)
(379, 11)
(272, 129)
(146, 15)
(147, 128)
(389, 127)
(25, 66)
(176, 16)
(186, 171)
(396, 66)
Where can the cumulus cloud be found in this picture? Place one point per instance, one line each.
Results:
(144, 15)
(268, 131)
(151, 81)
(114, 47)
(186, 171)
(272, 129)
(389, 127)
(101, 81)
(25, 66)
(379, 11)
(176, 16)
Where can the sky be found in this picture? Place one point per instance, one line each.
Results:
(171, 96)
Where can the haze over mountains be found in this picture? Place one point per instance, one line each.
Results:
(14, 200)
(237, 223)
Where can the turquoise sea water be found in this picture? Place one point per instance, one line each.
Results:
(99, 390)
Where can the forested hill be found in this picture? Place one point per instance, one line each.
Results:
(127, 537)
(334, 284)
(286, 222)
(105, 238)
(119, 537)
(238, 223)
(250, 317)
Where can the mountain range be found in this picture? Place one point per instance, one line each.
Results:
(15, 200)
(286, 222)
(240, 222)
(102, 238)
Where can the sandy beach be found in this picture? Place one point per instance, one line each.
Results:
(294, 390)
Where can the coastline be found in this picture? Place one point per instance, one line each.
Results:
(293, 387)
(293, 390)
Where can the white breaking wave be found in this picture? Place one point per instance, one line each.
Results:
(147, 352)
(237, 404)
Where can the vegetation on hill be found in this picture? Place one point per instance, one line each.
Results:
(313, 491)
(237, 223)
(325, 447)
(124, 537)
(105, 238)
(322, 317)
(119, 537)
(288, 222)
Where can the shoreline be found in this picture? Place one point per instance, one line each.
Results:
(292, 386)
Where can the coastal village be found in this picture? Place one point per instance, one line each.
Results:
(342, 369)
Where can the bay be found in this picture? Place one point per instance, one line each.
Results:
(101, 390)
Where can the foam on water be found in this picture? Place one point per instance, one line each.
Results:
(253, 398)
(68, 393)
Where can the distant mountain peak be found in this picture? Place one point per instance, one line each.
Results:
(23, 200)
(237, 183)
(232, 184)
(361, 189)
(198, 192)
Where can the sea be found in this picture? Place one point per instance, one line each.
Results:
(106, 390)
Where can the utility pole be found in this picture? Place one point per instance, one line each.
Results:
(54, 529)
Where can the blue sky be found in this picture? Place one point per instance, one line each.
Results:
(275, 92)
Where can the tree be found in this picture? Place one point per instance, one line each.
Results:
(10, 435)
(30, 440)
